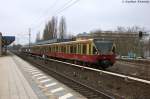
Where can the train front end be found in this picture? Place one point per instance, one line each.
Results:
(106, 52)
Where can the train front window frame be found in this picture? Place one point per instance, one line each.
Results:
(103, 47)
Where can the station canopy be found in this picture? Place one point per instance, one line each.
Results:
(7, 40)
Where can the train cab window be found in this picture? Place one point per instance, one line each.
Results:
(113, 49)
(94, 50)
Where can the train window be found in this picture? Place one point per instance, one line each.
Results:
(67, 48)
(71, 48)
(84, 48)
(56, 48)
(60, 48)
(46, 49)
(76, 50)
(64, 49)
(52, 48)
(90, 49)
(79, 48)
(49, 48)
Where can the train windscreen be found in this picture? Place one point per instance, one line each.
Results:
(103, 46)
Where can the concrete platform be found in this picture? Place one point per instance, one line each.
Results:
(13, 85)
(21, 80)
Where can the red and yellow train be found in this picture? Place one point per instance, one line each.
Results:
(92, 51)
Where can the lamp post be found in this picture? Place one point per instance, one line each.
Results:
(0, 44)
(149, 45)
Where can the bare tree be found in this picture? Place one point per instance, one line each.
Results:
(45, 32)
(38, 37)
(62, 28)
(121, 29)
(50, 31)
(54, 27)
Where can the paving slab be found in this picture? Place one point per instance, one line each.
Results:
(13, 85)
(21, 80)
(52, 88)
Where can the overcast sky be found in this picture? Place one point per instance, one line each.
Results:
(16, 16)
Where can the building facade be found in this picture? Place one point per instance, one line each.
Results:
(126, 43)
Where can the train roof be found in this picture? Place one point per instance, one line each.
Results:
(77, 41)
(67, 42)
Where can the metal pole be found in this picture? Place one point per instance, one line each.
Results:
(149, 46)
(0, 44)
(29, 38)
(141, 48)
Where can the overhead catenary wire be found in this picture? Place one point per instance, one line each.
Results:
(46, 11)
(65, 8)
(60, 10)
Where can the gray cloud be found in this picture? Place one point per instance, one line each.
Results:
(16, 16)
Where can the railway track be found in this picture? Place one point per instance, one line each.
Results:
(136, 62)
(131, 87)
(85, 90)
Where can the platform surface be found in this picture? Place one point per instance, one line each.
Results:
(13, 85)
(21, 80)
